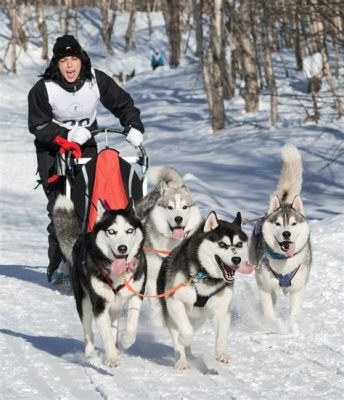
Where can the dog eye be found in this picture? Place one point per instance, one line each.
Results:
(239, 245)
(111, 232)
(130, 231)
(185, 207)
(277, 223)
(293, 224)
(170, 207)
(223, 245)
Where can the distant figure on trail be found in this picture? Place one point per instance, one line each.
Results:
(157, 59)
(64, 103)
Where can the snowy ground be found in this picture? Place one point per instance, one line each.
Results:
(41, 342)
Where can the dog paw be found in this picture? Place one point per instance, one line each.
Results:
(181, 364)
(128, 339)
(223, 358)
(112, 362)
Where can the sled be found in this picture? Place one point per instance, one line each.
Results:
(117, 178)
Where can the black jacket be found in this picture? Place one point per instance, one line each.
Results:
(41, 125)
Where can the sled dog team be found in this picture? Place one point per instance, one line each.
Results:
(162, 249)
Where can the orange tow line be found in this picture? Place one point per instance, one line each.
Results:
(154, 296)
(146, 248)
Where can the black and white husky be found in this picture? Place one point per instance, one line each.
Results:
(98, 260)
(280, 243)
(169, 215)
(206, 262)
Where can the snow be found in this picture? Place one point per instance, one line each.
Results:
(41, 339)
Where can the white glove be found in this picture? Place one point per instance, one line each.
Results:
(79, 135)
(134, 137)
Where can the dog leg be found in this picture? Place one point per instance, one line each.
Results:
(87, 318)
(222, 323)
(111, 352)
(295, 304)
(129, 335)
(268, 300)
(179, 350)
(179, 316)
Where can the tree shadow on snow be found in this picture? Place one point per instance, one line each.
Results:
(25, 273)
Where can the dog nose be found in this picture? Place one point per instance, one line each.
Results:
(236, 260)
(286, 234)
(178, 220)
(122, 249)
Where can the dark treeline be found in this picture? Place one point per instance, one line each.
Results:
(237, 42)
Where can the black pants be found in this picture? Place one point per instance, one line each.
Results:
(81, 183)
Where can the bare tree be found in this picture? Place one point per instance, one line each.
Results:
(42, 27)
(107, 27)
(216, 29)
(130, 34)
(250, 91)
(171, 11)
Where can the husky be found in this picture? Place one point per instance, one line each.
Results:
(204, 265)
(169, 215)
(280, 242)
(98, 261)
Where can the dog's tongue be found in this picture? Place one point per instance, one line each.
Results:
(178, 233)
(291, 249)
(245, 268)
(118, 266)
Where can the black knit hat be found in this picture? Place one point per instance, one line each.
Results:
(65, 46)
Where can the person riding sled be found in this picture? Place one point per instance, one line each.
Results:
(64, 103)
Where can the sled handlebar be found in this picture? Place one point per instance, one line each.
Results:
(114, 130)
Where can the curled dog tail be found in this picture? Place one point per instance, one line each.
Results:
(290, 181)
(168, 175)
(66, 225)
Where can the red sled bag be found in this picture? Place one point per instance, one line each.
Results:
(115, 182)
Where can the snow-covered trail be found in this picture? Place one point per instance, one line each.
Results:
(41, 341)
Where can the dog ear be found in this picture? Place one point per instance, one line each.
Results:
(297, 205)
(275, 204)
(130, 208)
(162, 186)
(211, 222)
(237, 220)
(100, 210)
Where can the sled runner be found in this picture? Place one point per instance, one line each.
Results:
(109, 177)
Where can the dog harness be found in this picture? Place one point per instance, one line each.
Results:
(201, 301)
(284, 280)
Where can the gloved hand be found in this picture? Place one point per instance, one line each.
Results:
(79, 135)
(134, 137)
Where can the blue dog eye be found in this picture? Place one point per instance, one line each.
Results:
(111, 232)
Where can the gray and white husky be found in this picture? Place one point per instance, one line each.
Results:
(98, 259)
(280, 243)
(169, 215)
(206, 262)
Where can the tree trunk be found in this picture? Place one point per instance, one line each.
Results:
(106, 33)
(14, 37)
(149, 19)
(130, 35)
(218, 114)
(42, 27)
(330, 80)
(250, 93)
(270, 75)
(172, 21)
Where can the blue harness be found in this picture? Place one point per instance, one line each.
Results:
(284, 280)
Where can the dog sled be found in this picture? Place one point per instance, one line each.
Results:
(110, 177)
